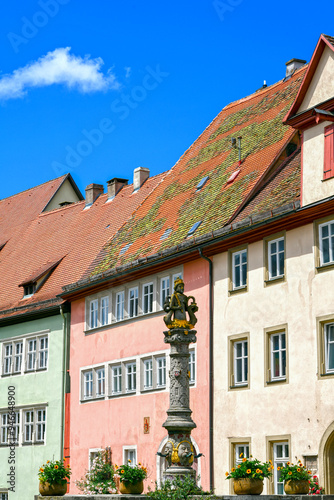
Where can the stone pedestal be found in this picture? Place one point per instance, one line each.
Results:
(179, 450)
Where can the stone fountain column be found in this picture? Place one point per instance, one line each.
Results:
(179, 424)
(179, 450)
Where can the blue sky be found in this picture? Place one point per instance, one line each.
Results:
(100, 88)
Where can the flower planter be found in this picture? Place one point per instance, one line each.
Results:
(296, 487)
(248, 486)
(57, 489)
(131, 488)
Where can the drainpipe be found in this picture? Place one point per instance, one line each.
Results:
(63, 383)
(210, 369)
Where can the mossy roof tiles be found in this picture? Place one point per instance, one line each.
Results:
(175, 204)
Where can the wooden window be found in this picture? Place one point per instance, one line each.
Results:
(329, 152)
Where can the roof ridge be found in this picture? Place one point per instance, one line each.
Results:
(34, 187)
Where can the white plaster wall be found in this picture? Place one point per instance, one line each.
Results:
(314, 188)
(64, 193)
(322, 84)
(303, 407)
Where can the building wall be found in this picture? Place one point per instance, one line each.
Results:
(322, 85)
(119, 421)
(314, 187)
(300, 408)
(43, 388)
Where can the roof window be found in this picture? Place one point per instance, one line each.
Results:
(124, 249)
(166, 234)
(201, 183)
(29, 290)
(193, 228)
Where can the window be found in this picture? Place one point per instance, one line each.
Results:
(165, 292)
(241, 451)
(36, 355)
(326, 243)
(275, 250)
(28, 426)
(154, 372)
(119, 306)
(130, 377)
(276, 355)
(193, 228)
(165, 235)
(280, 458)
(161, 371)
(32, 430)
(10, 423)
(239, 269)
(148, 298)
(133, 302)
(116, 384)
(3, 495)
(240, 361)
(329, 152)
(40, 425)
(93, 313)
(104, 311)
(192, 366)
(201, 183)
(325, 328)
(130, 455)
(29, 290)
(148, 374)
(93, 383)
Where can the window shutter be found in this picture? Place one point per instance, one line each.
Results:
(329, 152)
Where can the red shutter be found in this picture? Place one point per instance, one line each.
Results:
(329, 152)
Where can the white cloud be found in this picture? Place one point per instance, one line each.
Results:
(58, 67)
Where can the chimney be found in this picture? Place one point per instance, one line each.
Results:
(140, 175)
(93, 191)
(114, 186)
(293, 65)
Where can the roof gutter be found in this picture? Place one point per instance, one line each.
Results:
(211, 393)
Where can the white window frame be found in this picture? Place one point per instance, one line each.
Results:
(274, 263)
(40, 425)
(88, 389)
(93, 313)
(130, 453)
(116, 379)
(119, 309)
(192, 366)
(161, 371)
(330, 237)
(25, 431)
(148, 294)
(240, 448)
(100, 381)
(329, 346)
(281, 351)
(91, 382)
(279, 461)
(239, 268)
(133, 302)
(25, 354)
(243, 359)
(148, 373)
(164, 289)
(104, 310)
(130, 377)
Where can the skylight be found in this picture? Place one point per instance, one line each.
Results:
(193, 228)
(166, 234)
(201, 183)
(124, 249)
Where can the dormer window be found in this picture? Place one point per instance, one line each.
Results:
(29, 290)
(36, 279)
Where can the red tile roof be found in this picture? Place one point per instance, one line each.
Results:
(71, 234)
(175, 204)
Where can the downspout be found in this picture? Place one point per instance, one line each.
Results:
(210, 369)
(62, 425)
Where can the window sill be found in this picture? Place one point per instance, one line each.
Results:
(152, 389)
(95, 398)
(272, 281)
(239, 386)
(278, 381)
(241, 289)
(327, 375)
(325, 267)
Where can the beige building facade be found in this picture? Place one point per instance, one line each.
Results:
(274, 313)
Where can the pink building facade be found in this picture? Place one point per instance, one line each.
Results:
(119, 372)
